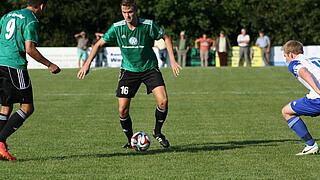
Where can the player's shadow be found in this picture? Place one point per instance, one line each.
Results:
(190, 148)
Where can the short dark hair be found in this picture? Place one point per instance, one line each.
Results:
(130, 3)
(36, 2)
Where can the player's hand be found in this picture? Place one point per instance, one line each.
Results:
(83, 72)
(175, 68)
(54, 69)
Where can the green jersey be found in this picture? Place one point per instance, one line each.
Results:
(17, 27)
(136, 45)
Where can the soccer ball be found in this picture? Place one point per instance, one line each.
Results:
(140, 141)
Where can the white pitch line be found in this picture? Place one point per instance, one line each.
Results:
(184, 93)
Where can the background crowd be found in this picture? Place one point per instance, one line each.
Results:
(220, 46)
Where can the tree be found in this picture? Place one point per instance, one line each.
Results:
(281, 20)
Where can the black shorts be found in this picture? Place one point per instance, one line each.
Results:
(15, 86)
(129, 82)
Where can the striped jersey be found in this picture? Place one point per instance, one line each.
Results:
(313, 66)
(136, 45)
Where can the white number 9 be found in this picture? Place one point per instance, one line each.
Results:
(10, 28)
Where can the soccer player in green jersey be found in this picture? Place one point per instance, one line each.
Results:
(135, 37)
(18, 36)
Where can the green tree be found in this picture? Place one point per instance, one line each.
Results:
(282, 20)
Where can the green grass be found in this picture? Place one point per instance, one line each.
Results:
(223, 123)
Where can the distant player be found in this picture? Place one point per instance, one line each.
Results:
(18, 35)
(307, 71)
(135, 37)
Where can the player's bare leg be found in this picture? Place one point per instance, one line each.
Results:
(125, 119)
(161, 112)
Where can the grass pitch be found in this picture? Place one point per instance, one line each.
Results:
(223, 123)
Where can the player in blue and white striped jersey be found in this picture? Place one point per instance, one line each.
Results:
(307, 71)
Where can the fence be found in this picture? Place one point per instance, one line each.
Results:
(66, 57)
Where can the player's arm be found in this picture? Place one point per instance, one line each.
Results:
(85, 69)
(33, 52)
(308, 78)
(174, 65)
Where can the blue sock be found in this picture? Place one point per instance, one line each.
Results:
(298, 126)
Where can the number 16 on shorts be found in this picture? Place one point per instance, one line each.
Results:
(124, 90)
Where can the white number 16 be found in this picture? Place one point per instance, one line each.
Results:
(124, 90)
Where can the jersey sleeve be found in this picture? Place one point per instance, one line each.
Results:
(294, 67)
(31, 32)
(156, 31)
(110, 35)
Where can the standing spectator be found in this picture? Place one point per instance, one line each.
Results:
(222, 47)
(243, 42)
(82, 47)
(163, 53)
(204, 49)
(100, 56)
(263, 42)
(182, 49)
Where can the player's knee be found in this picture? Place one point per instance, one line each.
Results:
(31, 110)
(6, 110)
(163, 103)
(285, 113)
(123, 112)
(27, 109)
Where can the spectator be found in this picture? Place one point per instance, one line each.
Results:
(100, 56)
(263, 42)
(204, 49)
(82, 47)
(182, 49)
(222, 47)
(243, 42)
(163, 53)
